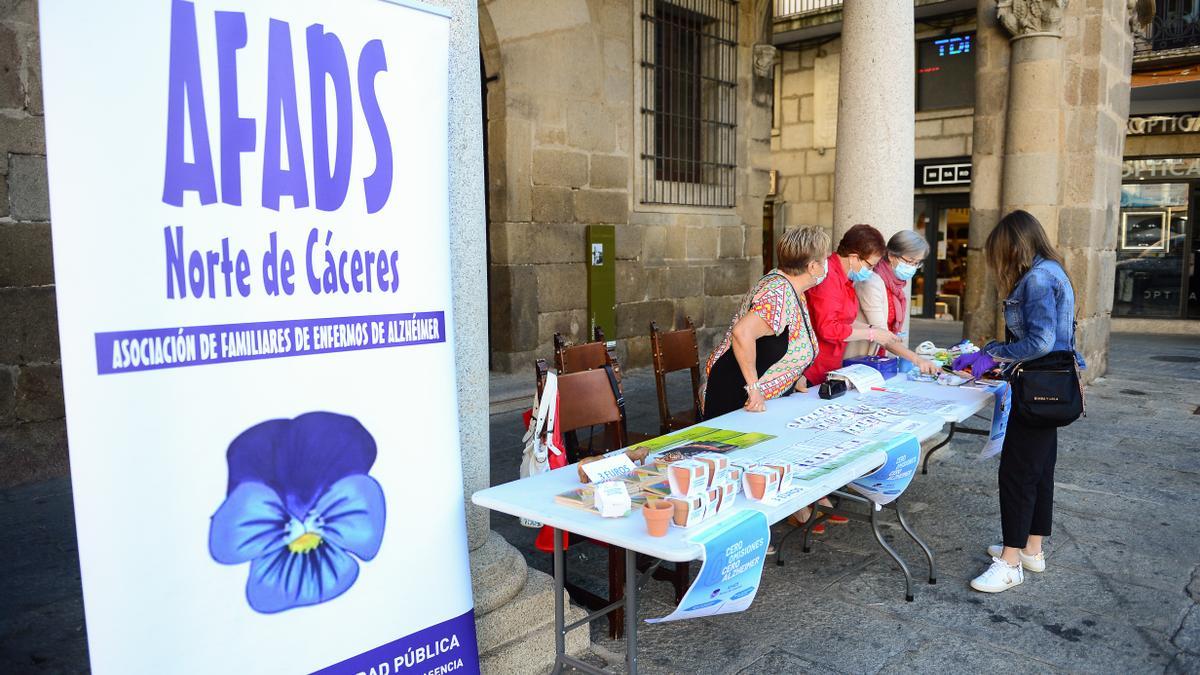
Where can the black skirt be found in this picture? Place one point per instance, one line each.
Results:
(726, 387)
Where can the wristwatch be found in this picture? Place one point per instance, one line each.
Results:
(753, 387)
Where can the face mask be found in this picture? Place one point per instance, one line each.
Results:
(859, 275)
(904, 271)
(824, 272)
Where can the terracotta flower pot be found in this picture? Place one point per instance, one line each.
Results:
(758, 485)
(657, 513)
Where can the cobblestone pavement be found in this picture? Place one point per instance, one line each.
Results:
(1120, 594)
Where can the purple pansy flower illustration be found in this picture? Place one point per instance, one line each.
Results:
(299, 508)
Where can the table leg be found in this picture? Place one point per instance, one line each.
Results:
(616, 582)
(908, 595)
(913, 535)
(560, 633)
(939, 446)
(631, 590)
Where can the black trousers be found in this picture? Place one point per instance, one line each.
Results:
(1027, 482)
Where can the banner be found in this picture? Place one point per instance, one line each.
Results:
(251, 252)
(891, 480)
(734, 552)
(1002, 393)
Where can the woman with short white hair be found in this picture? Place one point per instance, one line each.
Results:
(883, 298)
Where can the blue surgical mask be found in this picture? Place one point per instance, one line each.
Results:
(824, 272)
(859, 275)
(904, 271)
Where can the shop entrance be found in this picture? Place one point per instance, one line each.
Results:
(937, 289)
(1157, 250)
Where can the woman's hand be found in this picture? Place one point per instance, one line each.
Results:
(756, 402)
(927, 367)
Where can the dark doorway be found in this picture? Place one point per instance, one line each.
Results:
(938, 289)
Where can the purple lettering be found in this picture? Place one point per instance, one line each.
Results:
(237, 133)
(378, 186)
(281, 102)
(184, 88)
(326, 58)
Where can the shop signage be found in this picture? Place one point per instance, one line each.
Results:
(1171, 167)
(1153, 125)
(251, 252)
(944, 174)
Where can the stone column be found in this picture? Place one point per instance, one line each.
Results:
(873, 168)
(991, 105)
(1031, 139)
(514, 605)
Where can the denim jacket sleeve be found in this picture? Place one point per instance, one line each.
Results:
(1039, 311)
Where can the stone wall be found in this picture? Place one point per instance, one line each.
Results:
(803, 148)
(1098, 52)
(33, 441)
(564, 142)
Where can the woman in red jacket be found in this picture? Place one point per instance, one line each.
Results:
(834, 303)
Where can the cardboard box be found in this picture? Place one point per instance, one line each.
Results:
(729, 490)
(689, 510)
(736, 469)
(784, 469)
(688, 477)
(612, 499)
(718, 465)
(760, 483)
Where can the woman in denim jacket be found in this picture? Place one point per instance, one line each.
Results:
(1040, 317)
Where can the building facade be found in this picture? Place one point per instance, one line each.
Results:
(1117, 173)
(641, 123)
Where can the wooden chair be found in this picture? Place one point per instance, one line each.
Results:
(590, 356)
(674, 351)
(586, 356)
(586, 399)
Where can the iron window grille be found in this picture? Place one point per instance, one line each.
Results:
(689, 102)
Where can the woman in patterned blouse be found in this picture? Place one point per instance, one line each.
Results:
(770, 340)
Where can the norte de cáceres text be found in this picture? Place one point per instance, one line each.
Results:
(328, 269)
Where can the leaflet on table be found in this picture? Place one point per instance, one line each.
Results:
(911, 403)
(738, 439)
(734, 553)
(861, 377)
(1002, 393)
(888, 482)
(609, 468)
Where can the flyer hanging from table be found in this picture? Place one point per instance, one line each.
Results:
(734, 552)
(251, 254)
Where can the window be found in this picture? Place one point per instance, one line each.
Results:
(689, 94)
(1153, 252)
(946, 72)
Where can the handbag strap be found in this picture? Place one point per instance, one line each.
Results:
(617, 394)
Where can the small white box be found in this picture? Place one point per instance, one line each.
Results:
(612, 499)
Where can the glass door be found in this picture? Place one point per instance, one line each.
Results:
(938, 289)
(1153, 252)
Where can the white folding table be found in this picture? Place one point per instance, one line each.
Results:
(533, 498)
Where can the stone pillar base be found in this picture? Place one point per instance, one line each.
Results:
(514, 612)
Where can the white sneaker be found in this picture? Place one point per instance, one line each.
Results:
(999, 577)
(1033, 563)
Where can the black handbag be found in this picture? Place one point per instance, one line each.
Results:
(1047, 392)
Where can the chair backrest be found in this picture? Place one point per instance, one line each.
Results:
(673, 351)
(586, 399)
(586, 356)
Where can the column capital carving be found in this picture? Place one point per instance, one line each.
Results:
(1022, 18)
(764, 60)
